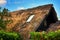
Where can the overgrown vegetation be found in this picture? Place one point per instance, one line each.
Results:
(3, 22)
(9, 36)
(45, 36)
(3, 13)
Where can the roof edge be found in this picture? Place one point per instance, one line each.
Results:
(35, 7)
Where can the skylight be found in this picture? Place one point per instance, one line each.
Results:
(30, 18)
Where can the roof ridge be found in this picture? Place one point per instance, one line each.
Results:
(35, 7)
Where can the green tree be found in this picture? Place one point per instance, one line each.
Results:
(3, 12)
(0, 13)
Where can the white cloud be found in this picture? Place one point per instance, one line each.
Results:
(33, 5)
(58, 17)
(2, 2)
(20, 8)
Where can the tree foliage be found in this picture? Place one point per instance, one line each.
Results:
(9, 35)
(45, 36)
(3, 12)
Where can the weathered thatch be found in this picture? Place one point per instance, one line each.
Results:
(43, 17)
(54, 26)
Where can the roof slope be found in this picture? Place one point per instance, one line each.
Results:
(54, 26)
(39, 12)
(20, 17)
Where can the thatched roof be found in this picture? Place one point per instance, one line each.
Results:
(54, 26)
(20, 18)
(39, 12)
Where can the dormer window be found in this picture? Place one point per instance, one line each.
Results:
(30, 18)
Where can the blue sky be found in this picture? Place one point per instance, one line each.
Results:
(13, 5)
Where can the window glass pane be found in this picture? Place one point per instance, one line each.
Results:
(30, 18)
